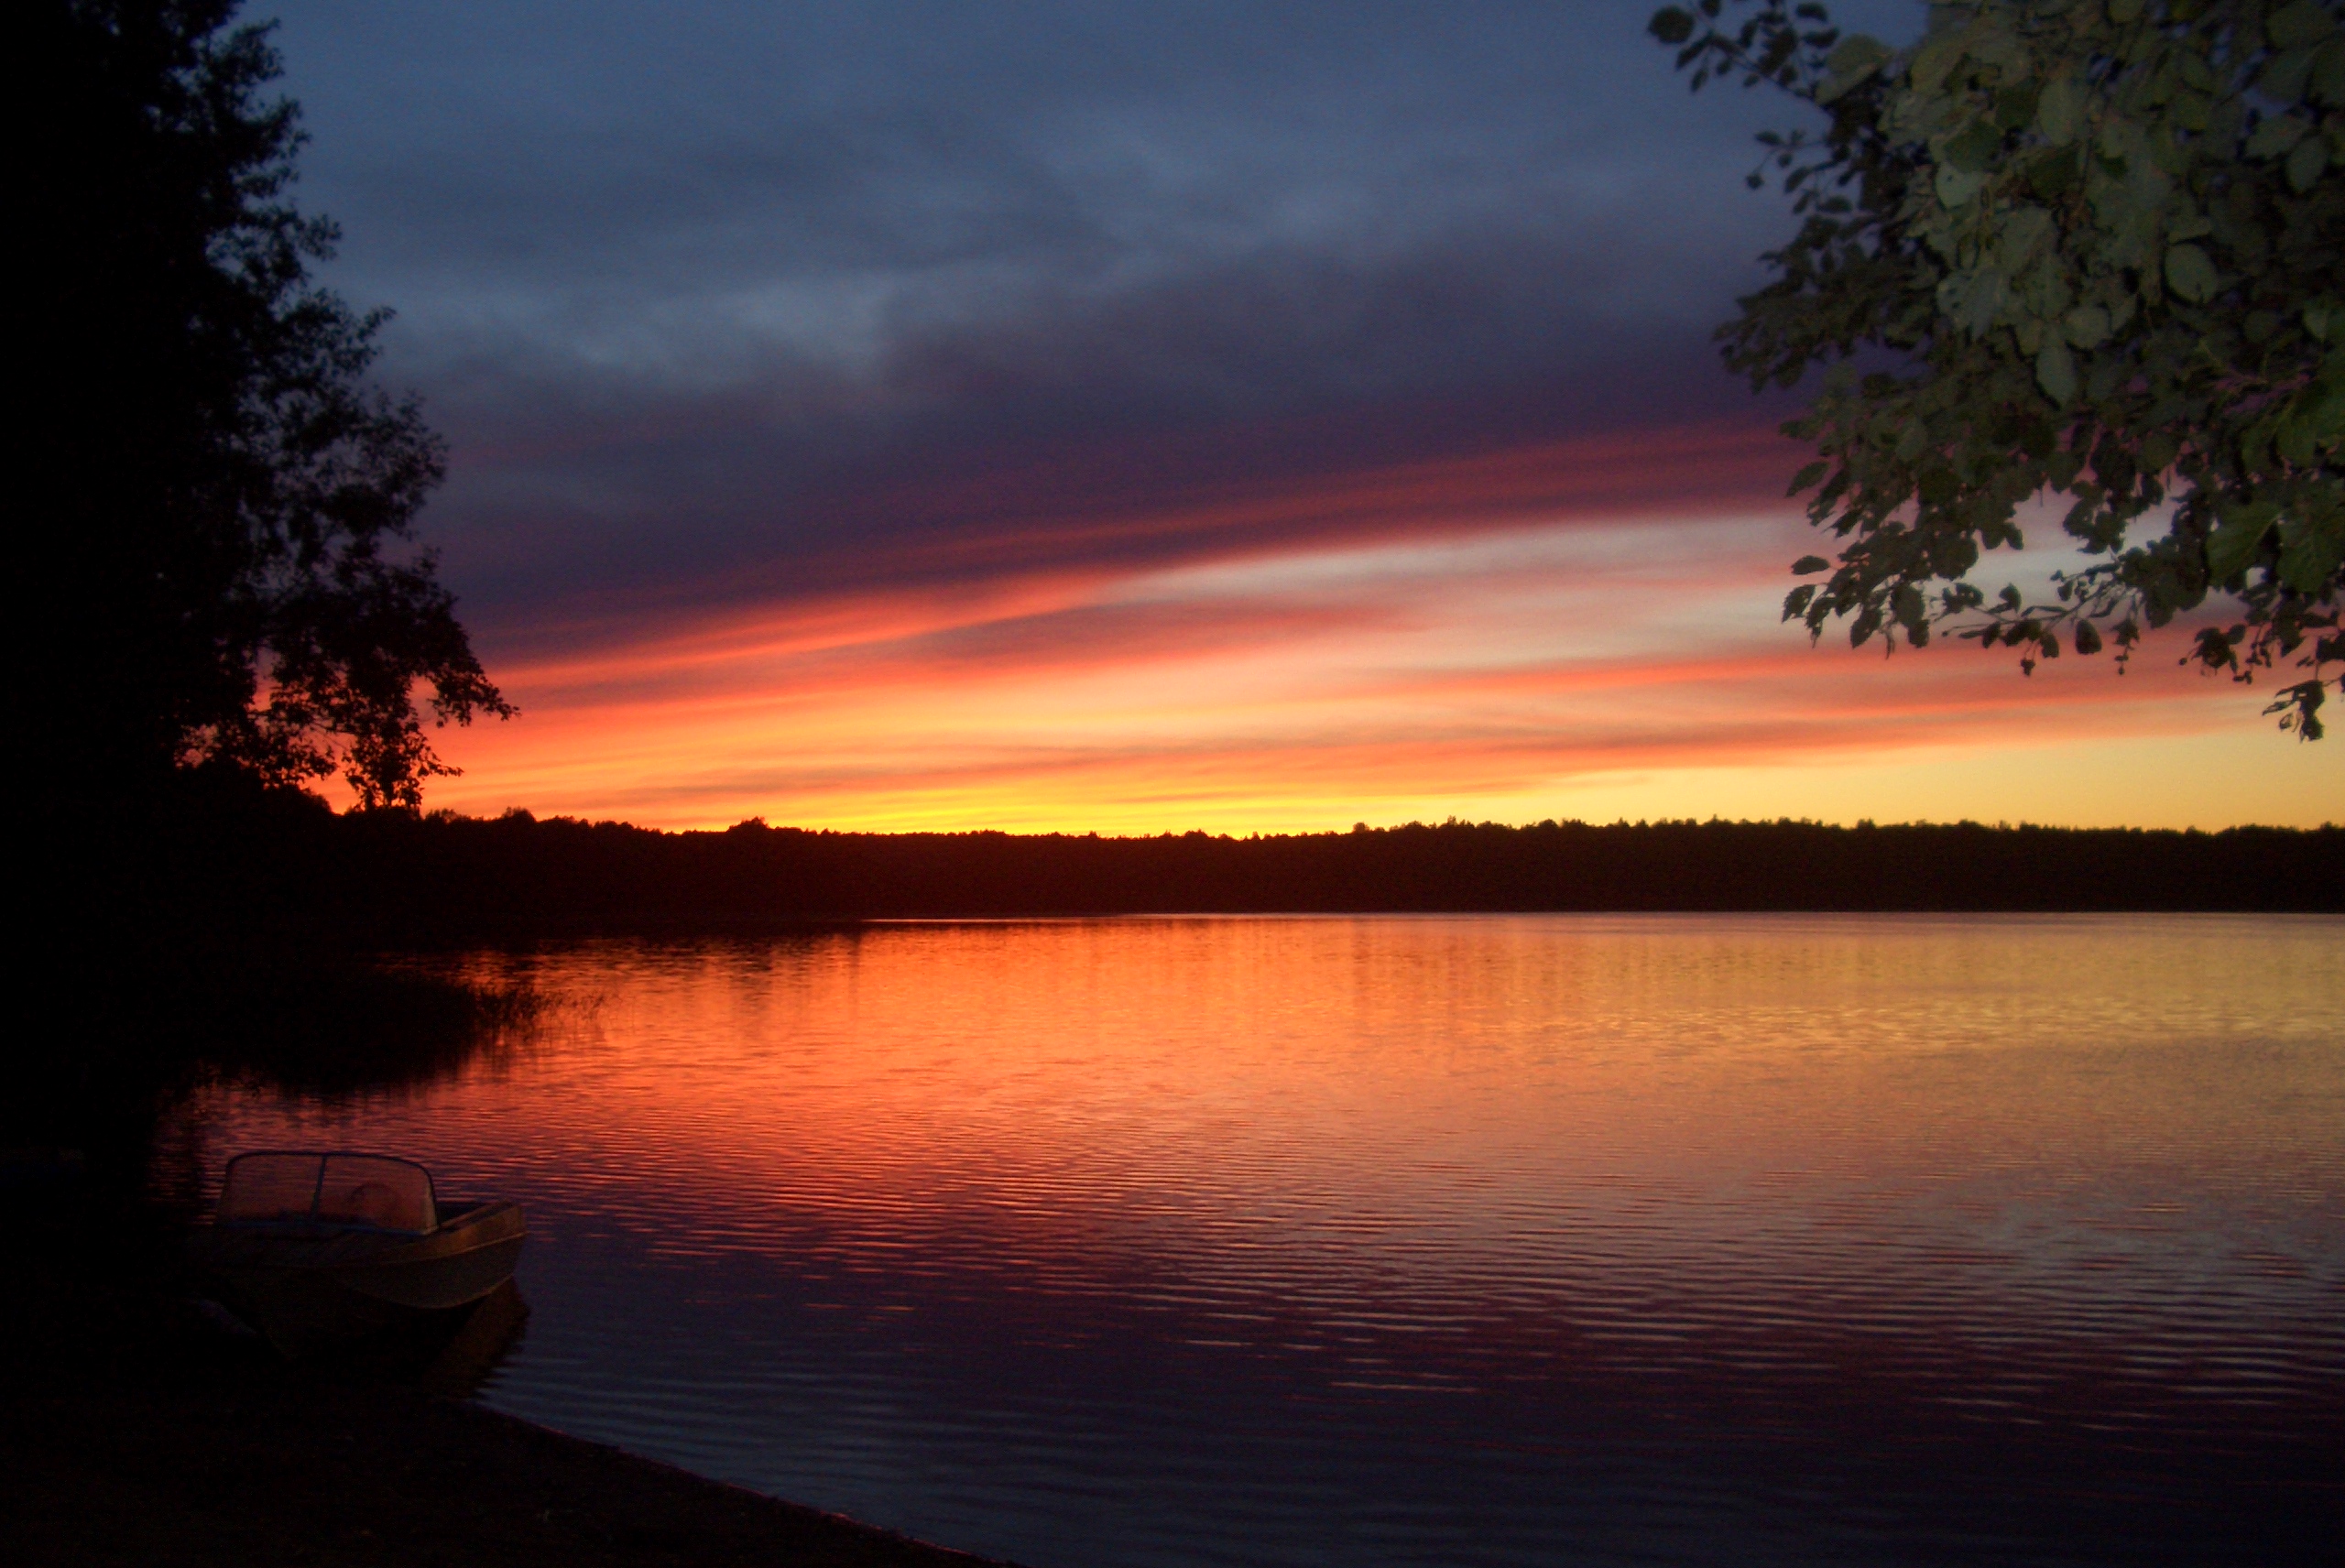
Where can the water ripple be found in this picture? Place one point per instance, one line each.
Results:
(1459, 1241)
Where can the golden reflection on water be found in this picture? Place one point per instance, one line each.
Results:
(1386, 1067)
(1797, 1180)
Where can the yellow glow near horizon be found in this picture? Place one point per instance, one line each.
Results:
(1566, 667)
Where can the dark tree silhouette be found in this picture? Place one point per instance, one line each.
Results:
(2091, 248)
(213, 512)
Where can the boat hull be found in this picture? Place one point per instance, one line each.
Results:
(305, 1288)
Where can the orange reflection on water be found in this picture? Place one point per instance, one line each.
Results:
(1901, 1230)
(1253, 1100)
(1309, 1048)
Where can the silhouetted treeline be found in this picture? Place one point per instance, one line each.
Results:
(391, 879)
(220, 926)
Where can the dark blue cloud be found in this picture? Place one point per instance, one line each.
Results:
(689, 284)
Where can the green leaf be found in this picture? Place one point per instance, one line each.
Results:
(2296, 442)
(2025, 229)
(2088, 637)
(2055, 371)
(2276, 135)
(2306, 163)
(1670, 24)
(2060, 110)
(1807, 565)
(2124, 12)
(2286, 77)
(1978, 300)
(2087, 326)
(1974, 146)
(1937, 57)
(2190, 273)
(1956, 187)
(1855, 60)
(1807, 476)
(2297, 25)
(2232, 545)
(2310, 558)
(2313, 417)
(2328, 75)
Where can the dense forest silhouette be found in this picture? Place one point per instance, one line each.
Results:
(394, 878)
(230, 927)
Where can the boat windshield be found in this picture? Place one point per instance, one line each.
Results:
(332, 1189)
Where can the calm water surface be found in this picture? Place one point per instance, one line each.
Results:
(1460, 1241)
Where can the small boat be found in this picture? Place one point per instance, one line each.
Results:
(313, 1247)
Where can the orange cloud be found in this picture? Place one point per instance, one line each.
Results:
(1555, 631)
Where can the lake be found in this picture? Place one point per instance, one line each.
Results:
(1455, 1240)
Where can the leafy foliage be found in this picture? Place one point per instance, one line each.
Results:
(2089, 247)
(214, 504)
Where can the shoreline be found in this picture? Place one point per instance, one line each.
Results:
(135, 1433)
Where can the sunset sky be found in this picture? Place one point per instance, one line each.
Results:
(1130, 417)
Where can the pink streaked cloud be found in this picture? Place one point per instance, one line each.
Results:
(1053, 528)
(1513, 635)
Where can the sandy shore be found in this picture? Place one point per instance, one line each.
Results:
(133, 1432)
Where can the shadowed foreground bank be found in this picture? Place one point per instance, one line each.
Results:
(134, 1430)
(131, 1432)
